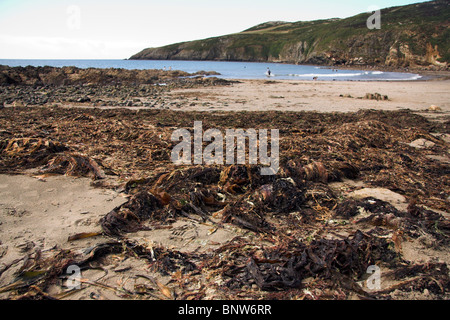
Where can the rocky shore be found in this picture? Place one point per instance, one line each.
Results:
(31, 86)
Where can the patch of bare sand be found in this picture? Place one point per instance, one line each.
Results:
(320, 96)
(41, 215)
(38, 216)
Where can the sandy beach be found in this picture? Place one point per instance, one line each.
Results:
(220, 160)
(319, 96)
(198, 239)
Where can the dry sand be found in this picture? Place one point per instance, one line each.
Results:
(39, 216)
(321, 96)
(43, 213)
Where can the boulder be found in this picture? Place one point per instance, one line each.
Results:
(434, 108)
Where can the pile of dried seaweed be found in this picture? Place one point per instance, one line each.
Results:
(284, 267)
(301, 238)
(24, 153)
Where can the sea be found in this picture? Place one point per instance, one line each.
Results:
(230, 70)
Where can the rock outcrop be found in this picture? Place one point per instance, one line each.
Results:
(41, 76)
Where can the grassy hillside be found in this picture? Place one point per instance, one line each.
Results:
(413, 35)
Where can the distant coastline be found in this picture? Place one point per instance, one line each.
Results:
(412, 37)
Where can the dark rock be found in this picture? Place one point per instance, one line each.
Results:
(84, 99)
(351, 207)
(376, 96)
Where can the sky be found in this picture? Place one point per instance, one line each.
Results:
(88, 29)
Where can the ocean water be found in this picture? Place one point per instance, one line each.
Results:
(230, 70)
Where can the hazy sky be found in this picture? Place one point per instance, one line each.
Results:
(88, 29)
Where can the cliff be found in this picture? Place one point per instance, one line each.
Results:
(413, 36)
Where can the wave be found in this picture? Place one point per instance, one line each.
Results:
(321, 75)
(366, 75)
(414, 77)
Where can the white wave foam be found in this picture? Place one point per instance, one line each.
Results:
(367, 76)
(415, 77)
(320, 75)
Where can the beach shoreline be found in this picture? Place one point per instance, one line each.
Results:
(320, 96)
(426, 73)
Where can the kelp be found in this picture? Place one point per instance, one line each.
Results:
(285, 267)
(74, 165)
(25, 153)
(130, 216)
(299, 236)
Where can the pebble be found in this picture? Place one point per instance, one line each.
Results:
(421, 144)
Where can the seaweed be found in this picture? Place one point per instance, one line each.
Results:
(297, 234)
